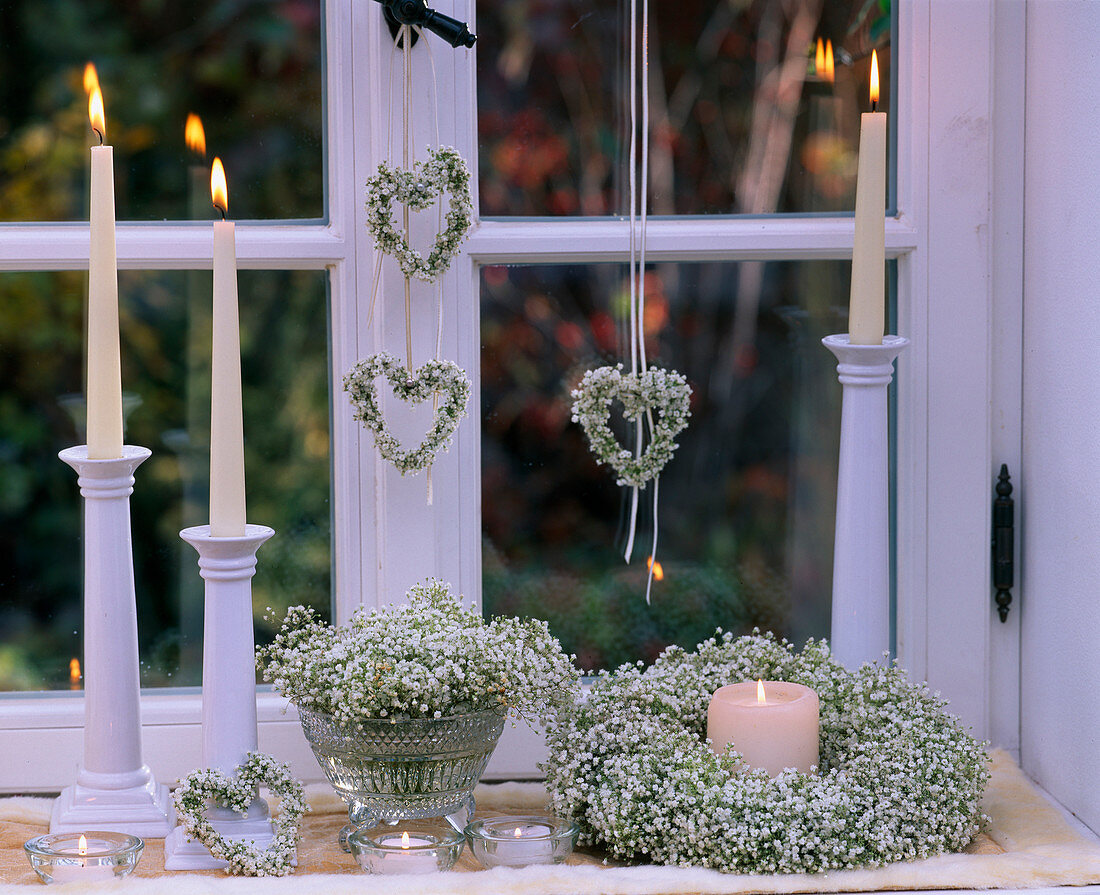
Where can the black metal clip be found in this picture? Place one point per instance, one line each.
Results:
(416, 13)
(1003, 512)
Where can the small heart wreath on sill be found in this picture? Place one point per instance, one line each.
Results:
(199, 788)
(441, 377)
(664, 393)
(444, 171)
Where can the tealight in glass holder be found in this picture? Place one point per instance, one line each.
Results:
(520, 840)
(408, 847)
(83, 857)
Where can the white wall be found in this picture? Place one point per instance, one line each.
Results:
(1059, 487)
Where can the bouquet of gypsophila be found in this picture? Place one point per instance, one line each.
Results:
(429, 658)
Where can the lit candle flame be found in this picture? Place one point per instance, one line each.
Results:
(82, 846)
(405, 839)
(91, 79)
(74, 673)
(95, 113)
(658, 569)
(194, 135)
(518, 833)
(819, 58)
(219, 192)
(830, 70)
(874, 79)
(761, 699)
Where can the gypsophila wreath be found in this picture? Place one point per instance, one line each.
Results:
(664, 392)
(444, 171)
(199, 788)
(441, 377)
(898, 779)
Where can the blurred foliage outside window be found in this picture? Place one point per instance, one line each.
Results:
(251, 70)
(746, 504)
(744, 117)
(166, 386)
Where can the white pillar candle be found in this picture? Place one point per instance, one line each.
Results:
(104, 363)
(867, 306)
(773, 724)
(227, 503)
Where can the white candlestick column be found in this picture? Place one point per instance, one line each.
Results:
(227, 500)
(114, 788)
(860, 629)
(227, 565)
(104, 362)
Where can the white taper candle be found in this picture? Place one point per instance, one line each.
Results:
(104, 363)
(227, 501)
(867, 306)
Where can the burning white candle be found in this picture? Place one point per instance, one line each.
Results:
(227, 503)
(104, 362)
(867, 308)
(773, 724)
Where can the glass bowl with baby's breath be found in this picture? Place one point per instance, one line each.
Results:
(404, 705)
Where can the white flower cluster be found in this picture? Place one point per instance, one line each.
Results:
(662, 394)
(429, 658)
(444, 171)
(436, 377)
(199, 788)
(898, 777)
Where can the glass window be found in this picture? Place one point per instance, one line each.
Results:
(165, 334)
(251, 71)
(745, 117)
(747, 503)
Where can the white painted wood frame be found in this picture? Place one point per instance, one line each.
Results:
(956, 238)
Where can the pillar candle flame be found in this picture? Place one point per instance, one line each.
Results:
(761, 697)
(874, 79)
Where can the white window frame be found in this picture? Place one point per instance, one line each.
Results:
(957, 240)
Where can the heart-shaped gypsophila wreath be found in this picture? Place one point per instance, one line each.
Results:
(444, 171)
(199, 788)
(436, 376)
(664, 392)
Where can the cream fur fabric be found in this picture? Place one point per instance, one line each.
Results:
(1040, 849)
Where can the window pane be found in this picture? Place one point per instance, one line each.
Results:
(742, 121)
(166, 382)
(251, 71)
(747, 503)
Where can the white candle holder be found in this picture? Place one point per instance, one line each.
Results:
(861, 552)
(114, 790)
(228, 687)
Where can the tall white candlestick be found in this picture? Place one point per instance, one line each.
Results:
(227, 503)
(867, 306)
(104, 363)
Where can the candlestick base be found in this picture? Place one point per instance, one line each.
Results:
(860, 629)
(183, 853)
(144, 810)
(227, 565)
(114, 789)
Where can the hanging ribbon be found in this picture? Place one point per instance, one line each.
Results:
(639, 213)
(408, 158)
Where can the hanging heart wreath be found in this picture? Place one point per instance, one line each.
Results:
(435, 377)
(665, 393)
(444, 171)
(199, 788)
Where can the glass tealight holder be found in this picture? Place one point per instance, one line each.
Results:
(520, 840)
(83, 857)
(412, 846)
